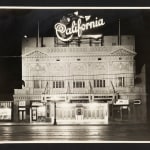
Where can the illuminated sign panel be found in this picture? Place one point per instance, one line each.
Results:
(76, 24)
(122, 102)
(5, 114)
(37, 104)
(5, 110)
(22, 103)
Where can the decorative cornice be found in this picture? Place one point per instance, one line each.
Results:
(78, 51)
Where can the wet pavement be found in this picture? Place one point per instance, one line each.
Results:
(75, 133)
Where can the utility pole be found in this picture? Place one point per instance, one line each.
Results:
(55, 122)
(115, 98)
(119, 35)
(38, 36)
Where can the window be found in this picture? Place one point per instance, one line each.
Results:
(121, 82)
(58, 84)
(99, 83)
(36, 83)
(78, 84)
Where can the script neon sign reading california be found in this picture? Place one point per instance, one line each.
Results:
(66, 29)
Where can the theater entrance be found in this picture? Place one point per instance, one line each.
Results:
(89, 113)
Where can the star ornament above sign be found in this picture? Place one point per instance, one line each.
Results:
(76, 24)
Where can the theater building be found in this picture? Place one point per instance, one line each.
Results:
(80, 78)
(77, 82)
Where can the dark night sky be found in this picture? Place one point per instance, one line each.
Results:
(14, 24)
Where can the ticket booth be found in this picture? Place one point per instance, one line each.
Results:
(79, 112)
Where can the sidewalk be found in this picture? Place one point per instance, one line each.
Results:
(70, 124)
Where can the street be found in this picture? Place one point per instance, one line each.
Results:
(80, 133)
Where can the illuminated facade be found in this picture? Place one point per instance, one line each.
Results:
(81, 78)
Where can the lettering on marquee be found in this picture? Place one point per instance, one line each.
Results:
(76, 24)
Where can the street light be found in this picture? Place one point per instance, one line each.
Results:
(55, 121)
(25, 36)
(44, 99)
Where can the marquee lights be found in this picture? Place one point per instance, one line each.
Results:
(68, 26)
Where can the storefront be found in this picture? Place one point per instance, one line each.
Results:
(38, 112)
(121, 110)
(73, 112)
(32, 111)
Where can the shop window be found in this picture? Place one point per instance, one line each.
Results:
(78, 84)
(5, 110)
(58, 84)
(99, 83)
(41, 111)
(5, 113)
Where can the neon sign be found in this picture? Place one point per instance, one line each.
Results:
(75, 25)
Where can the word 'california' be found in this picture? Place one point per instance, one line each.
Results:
(78, 26)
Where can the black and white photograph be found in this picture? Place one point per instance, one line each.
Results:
(74, 74)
